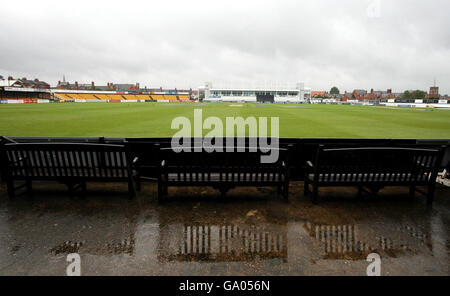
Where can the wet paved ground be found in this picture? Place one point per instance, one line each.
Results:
(252, 232)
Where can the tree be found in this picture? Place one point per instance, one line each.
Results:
(406, 95)
(419, 94)
(334, 90)
(414, 95)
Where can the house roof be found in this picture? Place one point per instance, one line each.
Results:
(360, 91)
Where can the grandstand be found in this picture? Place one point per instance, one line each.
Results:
(265, 93)
(113, 96)
(24, 95)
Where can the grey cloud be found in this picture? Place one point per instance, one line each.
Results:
(184, 43)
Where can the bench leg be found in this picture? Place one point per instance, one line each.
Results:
(29, 187)
(83, 189)
(360, 192)
(70, 187)
(223, 192)
(430, 193)
(286, 191)
(315, 194)
(412, 191)
(131, 191)
(306, 187)
(161, 191)
(137, 179)
(10, 186)
(279, 189)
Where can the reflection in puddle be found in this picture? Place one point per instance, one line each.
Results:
(253, 238)
(219, 243)
(67, 247)
(125, 246)
(355, 242)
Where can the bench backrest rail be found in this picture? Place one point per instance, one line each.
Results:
(380, 164)
(51, 160)
(223, 166)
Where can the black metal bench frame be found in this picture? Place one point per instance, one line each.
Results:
(72, 164)
(222, 176)
(422, 171)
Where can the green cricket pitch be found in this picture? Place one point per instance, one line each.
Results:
(154, 119)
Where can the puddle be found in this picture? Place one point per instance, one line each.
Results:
(261, 237)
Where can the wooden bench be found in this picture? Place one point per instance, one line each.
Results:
(72, 164)
(373, 167)
(221, 170)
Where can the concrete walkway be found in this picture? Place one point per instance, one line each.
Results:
(252, 232)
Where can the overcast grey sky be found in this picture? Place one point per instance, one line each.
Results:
(398, 44)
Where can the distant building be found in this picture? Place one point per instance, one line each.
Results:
(357, 94)
(434, 92)
(23, 83)
(294, 94)
(91, 86)
(126, 87)
(318, 94)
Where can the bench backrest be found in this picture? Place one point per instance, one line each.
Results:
(204, 163)
(66, 160)
(381, 162)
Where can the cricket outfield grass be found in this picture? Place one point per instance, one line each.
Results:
(154, 119)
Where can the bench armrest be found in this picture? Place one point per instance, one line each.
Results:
(309, 167)
(6, 139)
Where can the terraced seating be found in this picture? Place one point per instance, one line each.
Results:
(143, 97)
(63, 96)
(87, 97)
(115, 97)
(102, 96)
(171, 97)
(130, 97)
(158, 97)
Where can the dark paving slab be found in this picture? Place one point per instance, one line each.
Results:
(252, 232)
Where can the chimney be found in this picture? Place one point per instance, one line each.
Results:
(76, 84)
(59, 82)
(371, 90)
(93, 84)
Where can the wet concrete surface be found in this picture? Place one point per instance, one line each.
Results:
(251, 232)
